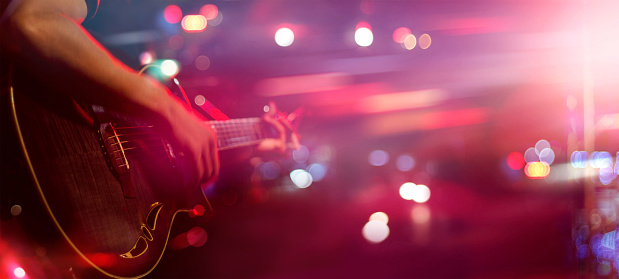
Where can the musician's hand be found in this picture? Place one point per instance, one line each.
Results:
(194, 142)
(287, 139)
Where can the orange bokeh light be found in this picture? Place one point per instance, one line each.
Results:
(193, 23)
(537, 170)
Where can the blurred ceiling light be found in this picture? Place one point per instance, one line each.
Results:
(172, 14)
(209, 11)
(302, 84)
(194, 23)
(425, 41)
(284, 37)
(401, 101)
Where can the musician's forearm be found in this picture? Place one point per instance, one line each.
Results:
(55, 48)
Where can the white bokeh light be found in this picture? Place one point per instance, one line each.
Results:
(364, 37)
(284, 37)
(379, 216)
(169, 68)
(375, 231)
(301, 178)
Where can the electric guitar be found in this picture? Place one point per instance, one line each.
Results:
(111, 187)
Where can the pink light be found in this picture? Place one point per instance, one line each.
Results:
(209, 11)
(172, 14)
(363, 24)
(399, 35)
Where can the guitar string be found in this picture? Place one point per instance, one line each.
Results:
(248, 129)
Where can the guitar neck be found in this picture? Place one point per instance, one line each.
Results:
(240, 132)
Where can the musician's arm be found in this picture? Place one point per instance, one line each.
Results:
(45, 37)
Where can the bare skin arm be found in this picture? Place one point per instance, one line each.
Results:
(45, 37)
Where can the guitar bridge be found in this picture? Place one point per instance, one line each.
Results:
(114, 153)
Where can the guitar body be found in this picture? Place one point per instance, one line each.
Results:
(114, 219)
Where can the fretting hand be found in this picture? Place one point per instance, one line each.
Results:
(286, 140)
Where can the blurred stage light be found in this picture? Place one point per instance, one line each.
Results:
(579, 159)
(19, 272)
(405, 163)
(196, 237)
(146, 58)
(420, 214)
(410, 42)
(217, 20)
(194, 23)
(421, 193)
(406, 190)
(531, 155)
(400, 33)
(209, 11)
(363, 34)
(380, 216)
(284, 37)
(375, 231)
(425, 41)
(318, 171)
(269, 170)
(169, 68)
(199, 100)
(515, 160)
(172, 14)
(301, 178)
(301, 154)
(202, 62)
(176, 42)
(537, 170)
(378, 158)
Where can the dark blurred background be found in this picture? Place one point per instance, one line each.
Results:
(507, 112)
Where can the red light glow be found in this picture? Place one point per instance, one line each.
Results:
(172, 14)
(515, 160)
(209, 11)
(193, 23)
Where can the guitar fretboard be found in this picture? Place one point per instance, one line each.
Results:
(235, 133)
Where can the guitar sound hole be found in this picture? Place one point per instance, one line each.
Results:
(151, 220)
